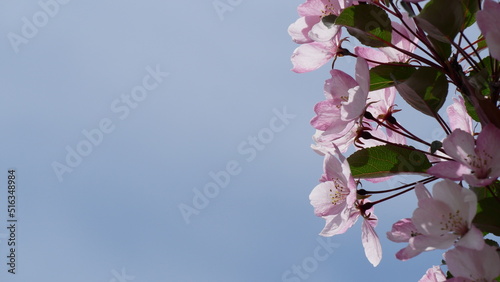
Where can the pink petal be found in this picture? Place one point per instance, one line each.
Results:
(356, 103)
(459, 145)
(311, 56)
(339, 223)
(458, 116)
(311, 8)
(434, 274)
(488, 20)
(484, 149)
(300, 28)
(372, 55)
(449, 169)
(338, 85)
(429, 242)
(320, 32)
(422, 192)
(473, 239)
(402, 231)
(408, 253)
(371, 243)
(327, 113)
(483, 265)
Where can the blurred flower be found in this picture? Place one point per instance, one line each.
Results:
(433, 274)
(473, 265)
(488, 20)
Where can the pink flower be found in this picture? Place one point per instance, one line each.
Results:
(488, 20)
(440, 221)
(473, 265)
(478, 162)
(433, 274)
(312, 56)
(333, 198)
(319, 41)
(325, 142)
(346, 100)
(445, 218)
(338, 116)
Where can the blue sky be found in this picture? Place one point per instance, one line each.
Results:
(172, 94)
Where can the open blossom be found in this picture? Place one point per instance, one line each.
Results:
(440, 221)
(319, 41)
(338, 115)
(477, 162)
(446, 217)
(334, 197)
(468, 265)
(488, 20)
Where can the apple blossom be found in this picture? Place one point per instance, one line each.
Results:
(319, 41)
(478, 162)
(351, 113)
(333, 198)
(445, 218)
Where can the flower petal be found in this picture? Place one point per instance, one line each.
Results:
(311, 56)
(488, 20)
(371, 242)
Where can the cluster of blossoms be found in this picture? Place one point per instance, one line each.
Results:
(416, 49)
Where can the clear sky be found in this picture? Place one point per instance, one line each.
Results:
(169, 141)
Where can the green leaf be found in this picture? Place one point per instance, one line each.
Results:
(383, 76)
(483, 192)
(442, 19)
(470, 8)
(368, 23)
(471, 111)
(487, 219)
(386, 160)
(482, 43)
(425, 90)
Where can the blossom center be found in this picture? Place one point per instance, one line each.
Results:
(339, 193)
(329, 9)
(454, 222)
(479, 164)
